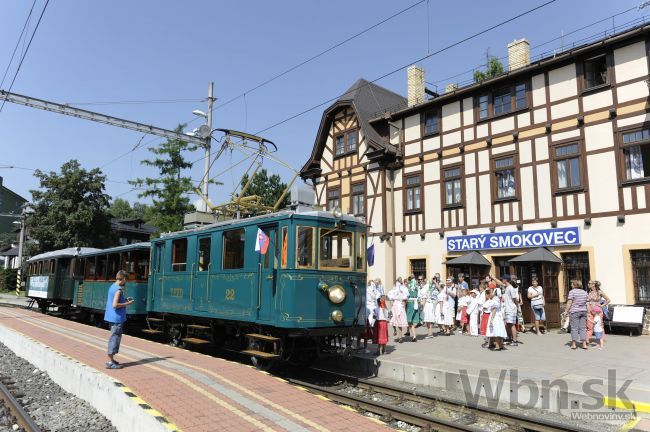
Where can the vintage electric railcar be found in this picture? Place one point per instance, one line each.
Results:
(211, 285)
(97, 272)
(52, 276)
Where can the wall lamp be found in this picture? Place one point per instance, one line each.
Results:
(492, 229)
(463, 232)
(520, 227)
(553, 224)
(587, 221)
(548, 128)
(403, 236)
(621, 219)
(581, 120)
(422, 236)
(441, 234)
(488, 142)
(384, 237)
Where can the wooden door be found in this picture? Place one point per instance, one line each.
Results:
(551, 294)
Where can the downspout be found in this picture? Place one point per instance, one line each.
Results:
(392, 201)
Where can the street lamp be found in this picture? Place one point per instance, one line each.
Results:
(205, 132)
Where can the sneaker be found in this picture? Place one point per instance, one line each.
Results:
(514, 344)
(113, 365)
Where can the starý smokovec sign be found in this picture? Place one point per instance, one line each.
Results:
(515, 239)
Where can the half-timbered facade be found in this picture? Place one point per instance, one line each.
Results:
(559, 147)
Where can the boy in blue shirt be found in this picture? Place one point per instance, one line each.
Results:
(115, 315)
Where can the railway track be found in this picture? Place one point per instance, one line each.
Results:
(427, 412)
(16, 410)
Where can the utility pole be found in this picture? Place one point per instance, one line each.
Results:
(208, 141)
(21, 241)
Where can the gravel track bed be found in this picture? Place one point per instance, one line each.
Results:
(51, 407)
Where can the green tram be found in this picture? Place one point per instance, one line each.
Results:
(97, 271)
(52, 277)
(303, 296)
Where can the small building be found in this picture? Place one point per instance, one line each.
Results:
(10, 208)
(543, 170)
(130, 231)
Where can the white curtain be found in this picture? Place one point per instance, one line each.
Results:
(634, 163)
(562, 180)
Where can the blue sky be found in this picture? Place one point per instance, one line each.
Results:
(92, 51)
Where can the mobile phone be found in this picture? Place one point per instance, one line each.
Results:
(129, 299)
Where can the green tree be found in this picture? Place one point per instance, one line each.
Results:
(70, 209)
(494, 68)
(170, 190)
(122, 209)
(269, 189)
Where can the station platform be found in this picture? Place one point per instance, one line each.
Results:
(541, 373)
(161, 387)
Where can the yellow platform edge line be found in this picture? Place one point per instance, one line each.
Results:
(629, 425)
(150, 411)
(643, 407)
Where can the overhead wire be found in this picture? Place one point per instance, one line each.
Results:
(11, 60)
(38, 23)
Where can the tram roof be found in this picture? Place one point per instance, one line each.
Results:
(284, 214)
(116, 249)
(63, 253)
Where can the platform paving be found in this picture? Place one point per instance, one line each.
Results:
(194, 392)
(571, 380)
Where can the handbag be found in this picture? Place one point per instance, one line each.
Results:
(541, 303)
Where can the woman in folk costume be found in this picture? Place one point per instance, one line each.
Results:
(413, 305)
(371, 304)
(380, 331)
(398, 295)
(446, 318)
(496, 329)
(429, 299)
(472, 312)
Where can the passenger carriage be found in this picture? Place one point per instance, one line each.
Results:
(98, 270)
(210, 285)
(51, 277)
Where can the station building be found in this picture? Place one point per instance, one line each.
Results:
(542, 171)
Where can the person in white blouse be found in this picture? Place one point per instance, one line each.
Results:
(399, 295)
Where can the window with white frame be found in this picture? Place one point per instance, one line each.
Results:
(358, 199)
(636, 154)
(504, 172)
(453, 187)
(567, 165)
(413, 193)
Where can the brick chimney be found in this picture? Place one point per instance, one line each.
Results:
(415, 85)
(518, 54)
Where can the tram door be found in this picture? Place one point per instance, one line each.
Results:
(157, 273)
(267, 276)
(201, 283)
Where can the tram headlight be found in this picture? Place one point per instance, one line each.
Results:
(336, 294)
(337, 213)
(336, 315)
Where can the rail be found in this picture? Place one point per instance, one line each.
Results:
(23, 419)
(425, 407)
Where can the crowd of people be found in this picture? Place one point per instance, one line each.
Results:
(492, 310)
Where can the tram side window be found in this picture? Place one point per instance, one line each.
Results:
(89, 273)
(204, 253)
(305, 247)
(113, 265)
(233, 249)
(285, 246)
(140, 261)
(51, 267)
(100, 268)
(179, 255)
(361, 252)
(335, 252)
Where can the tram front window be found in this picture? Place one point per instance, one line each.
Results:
(336, 249)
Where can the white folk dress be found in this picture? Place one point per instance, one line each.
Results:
(473, 310)
(397, 295)
(446, 314)
(498, 328)
(429, 309)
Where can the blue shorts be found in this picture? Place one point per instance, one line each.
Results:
(511, 317)
(115, 338)
(539, 314)
(598, 335)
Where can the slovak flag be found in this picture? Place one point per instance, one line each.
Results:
(262, 242)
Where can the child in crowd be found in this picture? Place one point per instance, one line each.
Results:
(598, 326)
(472, 311)
(463, 303)
(380, 331)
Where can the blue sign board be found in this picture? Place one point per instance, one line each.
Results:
(515, 239)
